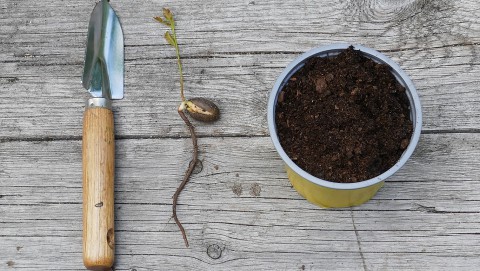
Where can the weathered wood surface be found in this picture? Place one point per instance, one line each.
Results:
(234, 53)
(427, 217)
(428, 213)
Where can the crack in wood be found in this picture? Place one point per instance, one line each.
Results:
(146, 137)
(358, 241)
(121, 137)
(428, 209)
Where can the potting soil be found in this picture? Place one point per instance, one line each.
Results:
(344, 119)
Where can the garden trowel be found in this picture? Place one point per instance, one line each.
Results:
(103, 77)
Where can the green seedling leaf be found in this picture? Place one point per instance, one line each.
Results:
(169, 38)
(162, 21)
(168, 14)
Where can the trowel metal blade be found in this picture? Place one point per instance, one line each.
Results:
(104, 57)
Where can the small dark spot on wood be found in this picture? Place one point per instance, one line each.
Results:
(214, 251)
(119, 207)
(202, 71)
(198, 167)
(302, 267)
(215, 167)
(100, 204)
(111, 238)
(427, 209)
(255, 190)
(251, 3)
(25, 55)
(133, 269)
(237, 175)
(10, 263)
(19, 247)
(12, 79)
(237, 189)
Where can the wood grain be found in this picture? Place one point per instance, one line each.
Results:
(239, 211)
(426, 215)
(98, 160)
(233, 54)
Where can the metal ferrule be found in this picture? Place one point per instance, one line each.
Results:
(99, 102)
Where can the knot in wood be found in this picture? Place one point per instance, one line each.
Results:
(214, 251)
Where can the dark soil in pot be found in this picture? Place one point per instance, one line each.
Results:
(344, 119)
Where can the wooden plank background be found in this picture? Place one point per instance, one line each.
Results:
(239, 211)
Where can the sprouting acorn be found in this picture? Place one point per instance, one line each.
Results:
(198, 108)
(202, 109)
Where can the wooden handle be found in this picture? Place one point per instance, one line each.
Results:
(98, 188)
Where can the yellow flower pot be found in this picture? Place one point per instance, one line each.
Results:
(331, 194)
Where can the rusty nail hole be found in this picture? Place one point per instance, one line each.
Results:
(100, 204)
(111, 238)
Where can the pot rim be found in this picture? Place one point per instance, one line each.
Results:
(401, 76)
